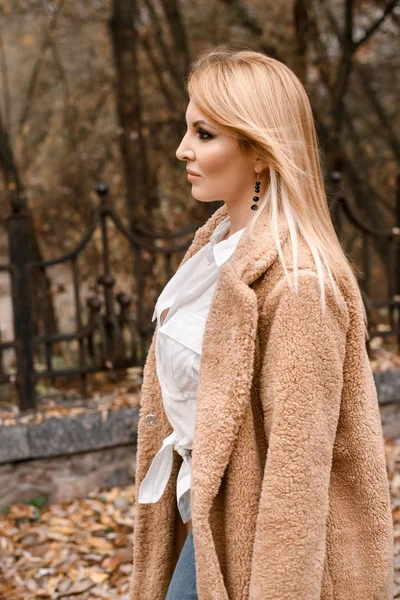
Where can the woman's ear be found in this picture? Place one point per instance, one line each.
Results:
(260, 165)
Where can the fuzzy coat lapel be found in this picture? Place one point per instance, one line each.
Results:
(226, 370)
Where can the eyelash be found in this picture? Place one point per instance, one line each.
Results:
(202, 132)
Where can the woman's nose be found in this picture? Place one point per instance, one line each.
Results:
(184, 152)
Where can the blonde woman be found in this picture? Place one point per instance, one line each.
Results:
(261, 470)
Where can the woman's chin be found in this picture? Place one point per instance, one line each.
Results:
(197, 195)
(203, 199)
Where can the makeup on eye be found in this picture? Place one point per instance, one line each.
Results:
(201, 132)
(198, 122)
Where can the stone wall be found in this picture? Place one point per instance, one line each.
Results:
(67, 457)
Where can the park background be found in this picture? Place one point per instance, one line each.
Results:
(92, 109)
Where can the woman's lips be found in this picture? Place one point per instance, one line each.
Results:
(190, 176)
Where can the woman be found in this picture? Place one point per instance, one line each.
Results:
(259, 376)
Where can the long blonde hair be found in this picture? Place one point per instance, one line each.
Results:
(261, 102)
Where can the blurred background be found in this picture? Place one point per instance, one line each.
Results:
(95, 216)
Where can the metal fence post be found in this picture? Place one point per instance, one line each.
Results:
(20, 235)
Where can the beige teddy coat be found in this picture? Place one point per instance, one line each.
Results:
(290, 497)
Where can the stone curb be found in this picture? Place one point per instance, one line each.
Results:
(87, 432)
(388, 386)
(68, 435)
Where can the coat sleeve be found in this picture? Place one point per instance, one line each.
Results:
(302, 380)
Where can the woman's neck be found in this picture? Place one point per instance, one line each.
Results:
(238, 221)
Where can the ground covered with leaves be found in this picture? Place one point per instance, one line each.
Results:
(83, 549)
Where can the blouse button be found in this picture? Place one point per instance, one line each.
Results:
(151, 418)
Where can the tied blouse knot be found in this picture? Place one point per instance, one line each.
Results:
(178, 348)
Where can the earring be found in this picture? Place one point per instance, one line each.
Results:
(257, 191)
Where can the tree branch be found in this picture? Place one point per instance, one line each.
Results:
(178, 35)
(163, 86)
(375, 26)
(245, 17)
(382, 115)
(38, 65)
(344, 67)
(159, 38)
(5, 85)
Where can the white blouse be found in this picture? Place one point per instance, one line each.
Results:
(178, 346)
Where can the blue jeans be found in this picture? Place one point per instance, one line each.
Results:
(183, 582)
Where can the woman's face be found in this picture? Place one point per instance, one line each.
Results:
(223, 172)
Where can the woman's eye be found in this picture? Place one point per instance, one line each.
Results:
(203, 133)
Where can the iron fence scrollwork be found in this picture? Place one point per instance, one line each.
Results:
(114, 335)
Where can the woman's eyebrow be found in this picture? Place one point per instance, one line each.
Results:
(199, 121)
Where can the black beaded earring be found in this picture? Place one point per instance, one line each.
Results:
(257, 191)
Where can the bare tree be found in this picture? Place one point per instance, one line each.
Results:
(341, 130)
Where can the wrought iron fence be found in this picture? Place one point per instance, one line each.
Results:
(382, 304)
(115, 333)
(113, 330)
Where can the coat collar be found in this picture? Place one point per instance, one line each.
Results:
(251, 257)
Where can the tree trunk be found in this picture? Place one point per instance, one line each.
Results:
(140, 197)
(41, 300)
